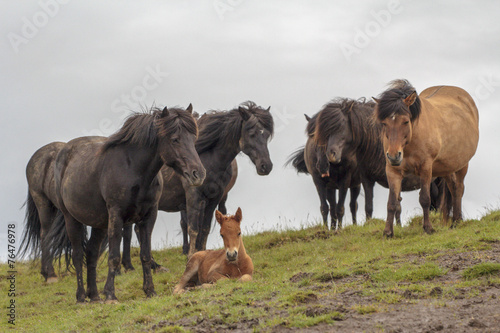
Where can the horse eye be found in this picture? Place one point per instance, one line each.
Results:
(406, 122)
(221, 235)
(175, 140)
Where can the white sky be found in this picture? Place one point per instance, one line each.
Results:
(72, 68)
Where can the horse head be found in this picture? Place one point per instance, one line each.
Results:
(177, 132)
(230, 232)
(397, 109)
(257, 129)
(332, 132)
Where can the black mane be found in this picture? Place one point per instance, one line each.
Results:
(143, 129)
(225, 126)
(391, 101)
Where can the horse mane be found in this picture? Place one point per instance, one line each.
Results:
(225, 126)
(358, 115)
(391, 101)
(311, 125)
(145, 128)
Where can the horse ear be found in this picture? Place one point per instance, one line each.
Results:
(219, 217)
(190, 108)
(238, 216)
(244, 113)
(269, 109)
(164, 113)
(307, 117)
(376, 100)
(410, 99)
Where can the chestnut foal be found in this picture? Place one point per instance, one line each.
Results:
(232, 262)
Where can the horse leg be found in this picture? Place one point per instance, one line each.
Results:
(456, 186)
(115, 230)
(145, 230)
(93, 251)
(154, 264)
(425, 197)
(127, 239)
(368, 188)
(323, 192)
(190, 273)
(398, 211)
(342, 195)
(353, 205)
(331, 195)
(195, 205)
(75, 232)
(201, 242)
(46, 213)
(184, 227)
(394, 179)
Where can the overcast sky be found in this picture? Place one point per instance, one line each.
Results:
(74, 68)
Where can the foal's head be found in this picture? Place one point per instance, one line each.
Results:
(397, 109)
(230, 232)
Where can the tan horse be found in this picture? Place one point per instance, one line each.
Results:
(431, 135)
(206, 267)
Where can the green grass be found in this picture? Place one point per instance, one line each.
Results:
(356, 259)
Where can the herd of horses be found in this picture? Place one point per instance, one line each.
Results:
(171, 160)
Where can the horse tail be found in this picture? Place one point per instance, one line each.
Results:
(59, 243)
(30, 242)
(296, 159)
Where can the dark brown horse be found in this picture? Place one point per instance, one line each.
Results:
(347, 131)
(431, 135)
(327, 177)
(107, 183)
(222, 136)
(41, 208)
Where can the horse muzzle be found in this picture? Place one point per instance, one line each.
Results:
(232, 255)
(264, 168)
(395, 160)
(195, 177)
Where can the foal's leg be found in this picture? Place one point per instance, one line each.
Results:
(353, 205)
(145, 230)
(190, 273)
(394, 179)
(425, 196)
(115, 230)
(456, 185)
(127, 239)
(93, 251)
(76, 233)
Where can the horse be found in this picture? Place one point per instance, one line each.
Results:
(434, 134)
(327, 177)
(232, 262)
(41, 207)
(222, 135)
(346, 129)
(106, 183)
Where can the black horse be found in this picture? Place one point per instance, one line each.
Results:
(222, 136)
(107, 183)
(327, 177)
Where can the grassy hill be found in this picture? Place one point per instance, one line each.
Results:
(351, 280)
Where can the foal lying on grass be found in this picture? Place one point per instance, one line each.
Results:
(232, 262)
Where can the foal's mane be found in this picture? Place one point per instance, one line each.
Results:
(391, 101)
(225, 126)
(144, 129)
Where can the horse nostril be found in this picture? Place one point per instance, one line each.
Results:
(195, 174)
(399, 154)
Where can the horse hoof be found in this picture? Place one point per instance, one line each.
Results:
(129, 268)
(388, 234)
(429, 231)
(111, 301)
(178, 290)
(96, 300)
(52, 280)
(151, 294)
